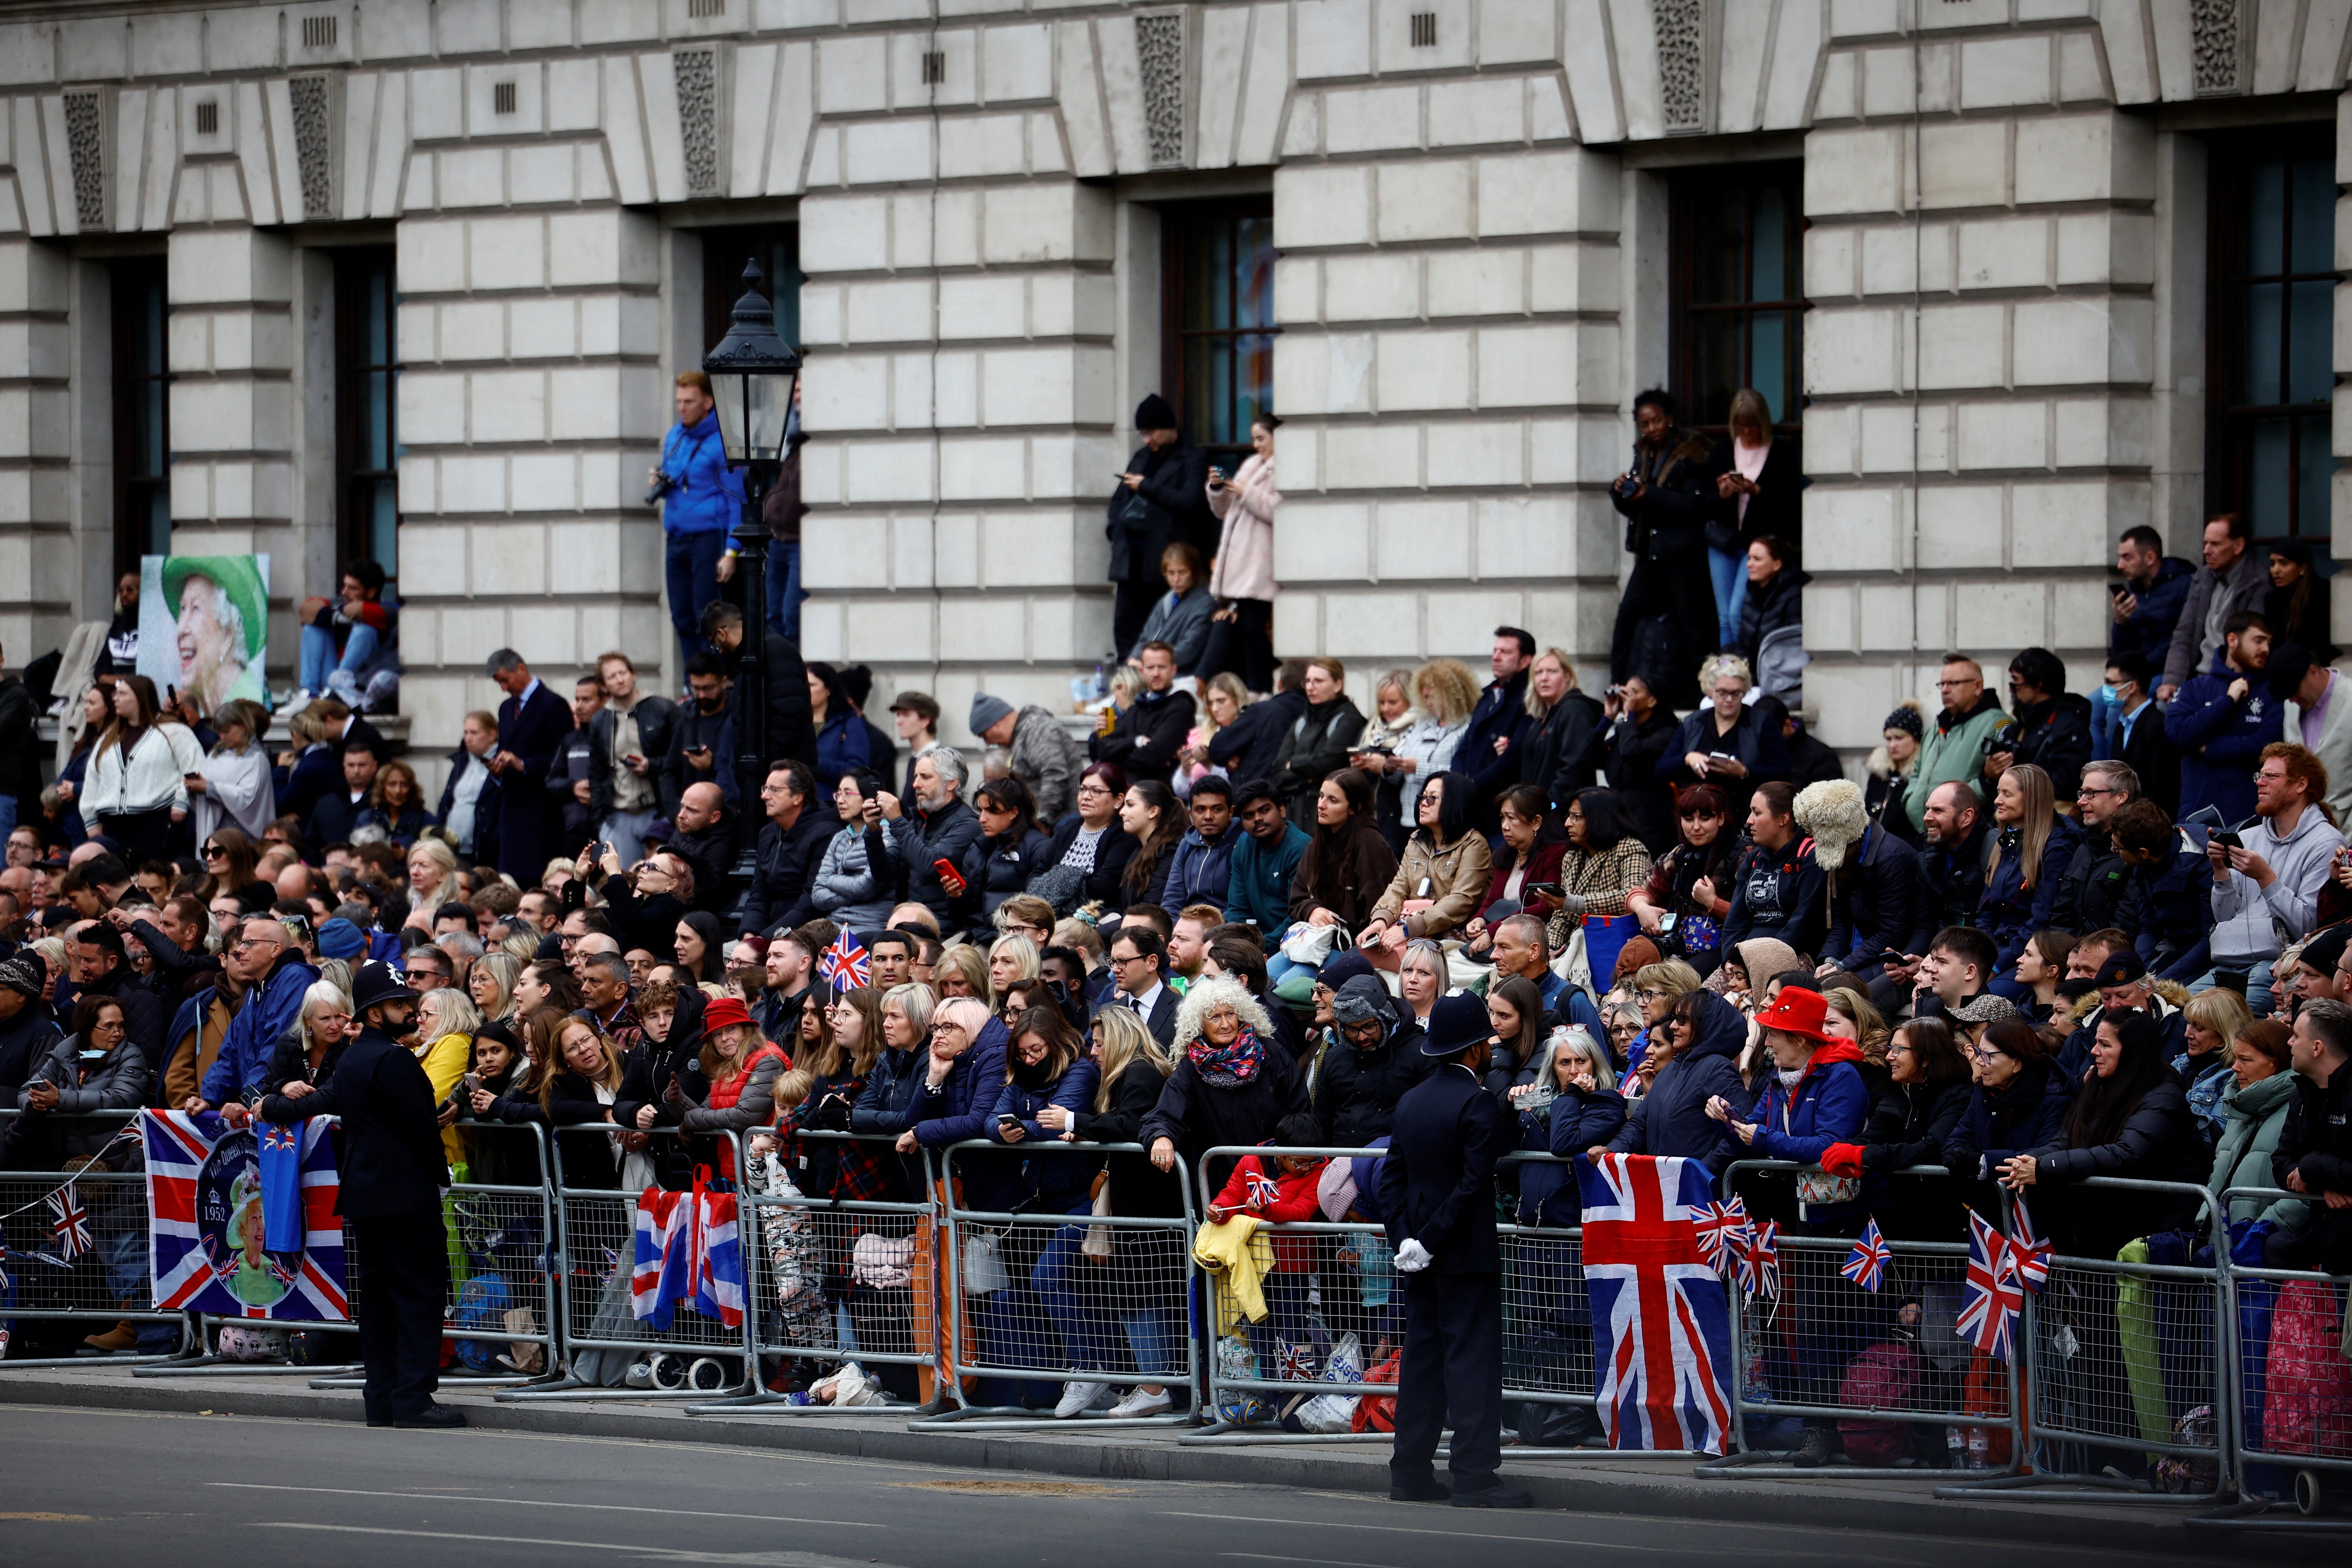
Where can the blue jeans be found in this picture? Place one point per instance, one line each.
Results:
(2258, 986)
(1078, 1317)
(785, 595)
(625, 832)
(691, 561)
(1729, 574)
(318, 659)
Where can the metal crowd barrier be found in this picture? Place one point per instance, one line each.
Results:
(104, 1286)
(834, 1280)
(2119, 1357)
(1791, 1354)
(2282, 1417)
(596, 1231)
(1030, 1306)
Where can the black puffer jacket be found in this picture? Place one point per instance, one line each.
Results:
(997, 868)
(1671, 1120)
(1314, 747)
(1356, 1093)
(1196, 1117)
(1876, 902)
(2158, 1141)
(2054, 735)
(1560, 751)
(1136, 1186)
(1908, 1126)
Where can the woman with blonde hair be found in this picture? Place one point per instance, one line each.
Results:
(491, 984)
(447, 1023)
(308, 1051)
(1223, 698)
(1724, 741)
(1851, 1017)
(962, 972)
(1759, 494)
(1444, 692)
(233, 787)
(1553, 752)
(2025, 857)
(431, 878)
(1010, 958)
(1394, 717)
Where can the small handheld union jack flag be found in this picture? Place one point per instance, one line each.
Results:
(2029, 1254)
(1263, 1189)
(1760, 1265)
(70, 1226)
(1724, 1233)
(843, 965)
(1866, 1264)
(1991, 1298)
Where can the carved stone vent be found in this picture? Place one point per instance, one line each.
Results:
(1159, 51)
(314, 151)
(2217, 36)
(85, 141)
(1682, 62)
(697, 115)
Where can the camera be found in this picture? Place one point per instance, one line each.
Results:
(2004, 739)
(664, 482)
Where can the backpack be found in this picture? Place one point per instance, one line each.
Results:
(1883, 1377)
(2307, 1403)
(482, 1308)
(1379, 1415)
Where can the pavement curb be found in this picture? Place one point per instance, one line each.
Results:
(1885, 1507)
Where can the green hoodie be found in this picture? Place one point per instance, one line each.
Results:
(1953, 752)
(2256, 1112)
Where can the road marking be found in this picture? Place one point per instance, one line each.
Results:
(540, 1502)
(1333, 1562)
(1465, 1534)
(673, 1554)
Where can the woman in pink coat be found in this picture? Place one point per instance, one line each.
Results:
(1241, 629)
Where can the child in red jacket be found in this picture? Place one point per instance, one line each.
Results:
(1287, 1194)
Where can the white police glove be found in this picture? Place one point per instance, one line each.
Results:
(1413, 1257)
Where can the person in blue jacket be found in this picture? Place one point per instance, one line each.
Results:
(276, 978)
(1814, 1100)
(702, 500)
(1048, 1083)
(2031, 846)
(1488, 751)
(2155, 586)
(1876, 903)
(1264, 863)
(2167, 877)
(1671, 1121)
(1778, 888)
(2220, 721)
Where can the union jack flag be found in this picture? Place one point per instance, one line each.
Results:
(70, 1226)
(1661, 1318)
(196, 1253)
(1760, 1265)
(1991, 1297)
(1725, 1233)
(2028, 1252)
(689, 1249)
(1262, 1188)
(843, 965)
(1297, 1364)
(1866, 1264)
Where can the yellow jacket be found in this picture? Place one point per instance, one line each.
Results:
(445, 1060)
(1239, 1256)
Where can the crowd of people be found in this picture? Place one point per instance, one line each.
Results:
(2070, 936)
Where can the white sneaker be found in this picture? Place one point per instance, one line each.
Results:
(1076, 1396)
(1139, 1402)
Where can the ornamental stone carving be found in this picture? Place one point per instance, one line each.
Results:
(2217, 48)
(314, 143)
(698, 116)
(1680, 26)
(1160, 52)
(86, 143)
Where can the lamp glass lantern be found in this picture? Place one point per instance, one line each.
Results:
(752, 374)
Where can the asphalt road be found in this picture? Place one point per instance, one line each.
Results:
(114, 1487)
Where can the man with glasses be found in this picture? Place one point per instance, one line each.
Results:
(2266, 887)
(1137, 957)
(1356, 1089)
(275, 975)
(1024, 915)
(424, 968)
(1954, 751)
(2092, 889)
(2138, 733)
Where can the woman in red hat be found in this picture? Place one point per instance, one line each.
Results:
(742, 1069)
(1814, 1097)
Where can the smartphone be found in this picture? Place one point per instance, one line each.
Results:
(2227, 840)
(472, 1081)
(950, 879)
(1004, 1119)
(2119, 590)
(634, 759)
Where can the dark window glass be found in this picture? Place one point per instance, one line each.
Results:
(2269, 331)
(1737, 306)
(777, 250)
(367, 437)
(142, 412)
(1217, 316)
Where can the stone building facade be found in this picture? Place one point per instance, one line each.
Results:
(2023, 272)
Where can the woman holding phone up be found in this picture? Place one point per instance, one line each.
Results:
(1241, 581)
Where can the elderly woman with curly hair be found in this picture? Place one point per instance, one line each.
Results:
(1232, 1083)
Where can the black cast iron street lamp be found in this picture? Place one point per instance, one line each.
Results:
(752, 374)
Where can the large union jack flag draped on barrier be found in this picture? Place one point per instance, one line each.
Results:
(689, 1249)
(208, 1235)
(1660, 1319)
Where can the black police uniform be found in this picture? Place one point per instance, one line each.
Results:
(393, 1174)
(1437, 1187)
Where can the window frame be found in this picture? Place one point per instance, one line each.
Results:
(132, 283)
(1687, 192)
(723, 252)
(354, 270)
(1175, 219)
(2230, 426)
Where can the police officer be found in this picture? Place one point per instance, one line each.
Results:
(1437, 1191)
(392, 1177)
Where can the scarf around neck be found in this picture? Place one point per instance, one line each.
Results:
(1227, 1066)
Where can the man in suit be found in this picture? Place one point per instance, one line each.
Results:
(1437, 1195)
(346, 728)
(1140, 960)
(532, 723)
(392, 1177)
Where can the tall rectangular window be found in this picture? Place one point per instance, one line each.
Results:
(1217, 326)
(777, 250)
(1736, 305)
(367, 437)
(2269, 326)
(142, 412)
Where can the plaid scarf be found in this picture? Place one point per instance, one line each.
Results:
(1227, 1066)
